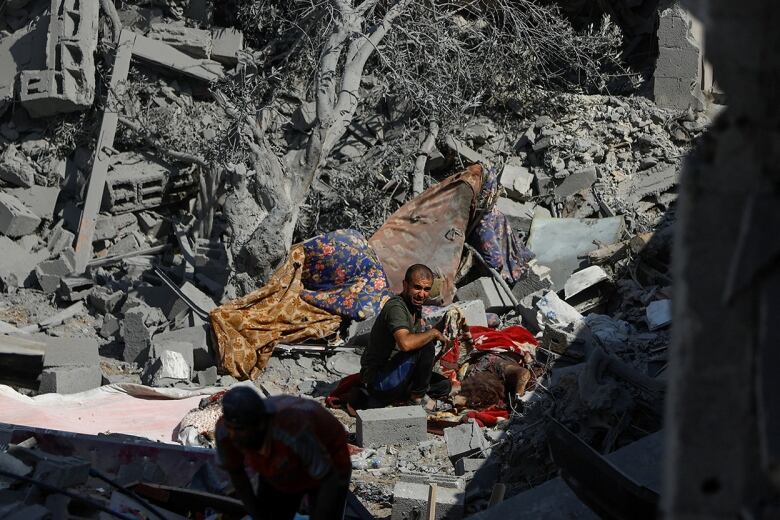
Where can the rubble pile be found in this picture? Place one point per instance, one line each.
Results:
(119, 237)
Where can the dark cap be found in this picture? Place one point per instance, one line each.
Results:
(243, 406)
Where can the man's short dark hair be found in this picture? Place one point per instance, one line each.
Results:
(243, 406)
(418, 269)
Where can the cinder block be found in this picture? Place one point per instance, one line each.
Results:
(486, 289)
(474, 311)
(198, 337)
(537, 278)
(410, 501)
(16, 219)
(465, 440)
(70, 380)
(383, 426)
(207, 377)
(137, 328)
(69, 351)
(50, 273)
(75, 288)
(516, 179)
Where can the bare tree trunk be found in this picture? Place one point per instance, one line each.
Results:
(284, 186)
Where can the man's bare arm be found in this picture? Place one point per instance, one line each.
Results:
(408, 341)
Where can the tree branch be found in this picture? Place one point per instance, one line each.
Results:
(151, 140)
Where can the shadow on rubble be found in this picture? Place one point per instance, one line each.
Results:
(585, 442)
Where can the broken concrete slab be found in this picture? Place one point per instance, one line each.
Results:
(75, 288)
(584, 279)
(576, 182)
(70, 380)
(410, 500)
(16, 219)
(227, 42)
(677, 75)
(16, 168)
(15, 263)
(659, 314)
(59, 240)
(194, 42)
(24, 49)
(465, 440)
(516, 179)
(536, 278)
(104, 300)
(49, 274)
(487, 290)
(137, 328)
(652, 181)
(384, 426)
(206, 377)
(459, 147)
(558, 243)
(41, 200)
(519, 214)
(195, 295)
(554, 499)
(162, 54)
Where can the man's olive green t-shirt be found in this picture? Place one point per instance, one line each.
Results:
(395, 315)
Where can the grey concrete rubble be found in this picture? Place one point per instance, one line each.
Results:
(384, 426)
(410, 500)
(464, 441)
(16, 219)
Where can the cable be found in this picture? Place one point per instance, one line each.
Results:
(54, 489)
(128, 492)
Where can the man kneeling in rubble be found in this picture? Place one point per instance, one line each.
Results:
(397, 366)
(296, 447)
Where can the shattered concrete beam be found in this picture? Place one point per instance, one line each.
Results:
(162, 54)
(97, 179)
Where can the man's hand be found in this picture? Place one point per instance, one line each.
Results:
(408, 342)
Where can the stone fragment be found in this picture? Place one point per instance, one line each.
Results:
(576, 182)
(70, 380)
(516, 179)
(227, 42)
(537, 278)
(63, 351)
(110, 327)
(103, 300)
(169, 364)
(487, 290)
(659, 314)
(410, 500)
(465, 440)
(50, 273)
(519, 214)
(460, 148)
(137, 327)
(198, 337)
(15, 168)
(474, 312)
(15, 263)
(584, 279)
(206, 377)
(41, 200)
(16, 219)
(75, 288)
(384, 426)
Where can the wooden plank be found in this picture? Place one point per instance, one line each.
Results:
(97, 178)
(433, 490)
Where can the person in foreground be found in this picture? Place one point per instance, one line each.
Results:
(296, 447)
(397, 365)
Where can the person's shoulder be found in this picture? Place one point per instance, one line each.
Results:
(394, 304)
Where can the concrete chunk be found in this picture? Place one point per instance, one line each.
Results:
(160, 53)
(576, 182)
(465, 440)
(410, 500)
(198, 337)
(50, 273)
(383, 426)
(41, 200)
(486, 289)
(15, 168)
(460, 148)
(68, 351)
(70, 380)
(16, 219)
(516, 179)
(195, 42)
(15, 263)
(207, 377)
(167, 365)
(137, 327)
(582, 280)
(559, 243)
(226, 44)
(659, 314)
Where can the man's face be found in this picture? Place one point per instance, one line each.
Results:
(416, 291)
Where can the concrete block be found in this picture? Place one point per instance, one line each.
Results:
(207, 377)
(543, 182)
(50, 273)
(383, 426)
(659, 314)
(110, 327)
(41, 200)
(15, 263)
(410, 501)
(183, 348)
(226, 44)
(162, 54)
(70, 380)
(465, 440)
(104, 300)
(576, 182)
(126, 244)
(537, 278)
(486, 289)
(559, 243)
(64, 351)
(677, 75)
(136, 329)
(516, 179)
(195, 295)
(16, 219)
(584, 279)
(440, 479)
(194, 42)
(108, 227)
(519, 214)
(474, 311)
(59, 240)
(459, 147)
(16, 168)
(75, 288)
(198, 337)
